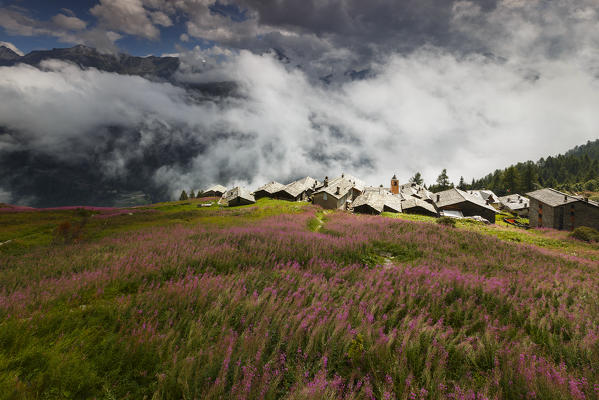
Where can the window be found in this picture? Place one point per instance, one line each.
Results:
(324, 196)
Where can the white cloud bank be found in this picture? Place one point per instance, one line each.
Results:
(423, 112)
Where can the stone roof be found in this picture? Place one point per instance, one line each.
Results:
(378, 200)
(237, 192)
(489, 195)
(393, 203)
(455, 196)
(555, 198)
(416, 190)
(414, 202)
(271, 187)
(216, 188)
(358, 183)
(378, 189)
(301, 185)
(344, 183)
(514, 202)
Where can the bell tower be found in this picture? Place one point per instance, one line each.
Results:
(394, 185)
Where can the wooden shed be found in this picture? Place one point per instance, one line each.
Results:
(268, 190)
(298, 190)
(516, 204)
(414, 205)
(237, 197)
(468, 204)
(376, 202)
(214, 191)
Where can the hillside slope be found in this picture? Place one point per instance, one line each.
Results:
(281, 300)
(575, 171)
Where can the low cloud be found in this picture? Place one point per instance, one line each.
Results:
(69, 22)
(420, 112)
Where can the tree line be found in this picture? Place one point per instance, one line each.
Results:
(575, 171)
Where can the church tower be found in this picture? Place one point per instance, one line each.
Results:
(394, 185)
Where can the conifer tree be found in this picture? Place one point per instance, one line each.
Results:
(183, 196)
(443, 180)
(417, 179)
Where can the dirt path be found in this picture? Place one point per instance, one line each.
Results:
(318, 221)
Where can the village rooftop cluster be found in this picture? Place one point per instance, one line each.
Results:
(547, 208)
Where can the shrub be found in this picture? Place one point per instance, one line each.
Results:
(447, 221)
(68, 233)
(585, 234)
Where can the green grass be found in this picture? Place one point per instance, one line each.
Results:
(26, 230)
(548, 239)
(147, 305)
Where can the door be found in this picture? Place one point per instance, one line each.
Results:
(560, 218)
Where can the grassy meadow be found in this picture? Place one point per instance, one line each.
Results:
(283, 300)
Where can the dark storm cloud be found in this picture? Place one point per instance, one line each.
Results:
(411, 86)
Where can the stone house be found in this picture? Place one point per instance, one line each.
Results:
(237, 197)
(334, 195)
(550, 208)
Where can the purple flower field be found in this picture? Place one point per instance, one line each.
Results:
(365, 307)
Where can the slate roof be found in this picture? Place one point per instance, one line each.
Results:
(489, 195)
(413, 202)
(556, 198)
(271, 187)
(378, 189)
(378, 200)
(514, 202)
(358, 183)
(416, 190)
(344, 183)
(301, 185)
(485, 195)
(238, 192)
(216, 188)
(455, 196)
(393, 202)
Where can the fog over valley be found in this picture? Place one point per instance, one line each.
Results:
(277, 98)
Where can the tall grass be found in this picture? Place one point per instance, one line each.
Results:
(265, 308)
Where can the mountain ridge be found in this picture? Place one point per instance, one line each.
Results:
(88, 57)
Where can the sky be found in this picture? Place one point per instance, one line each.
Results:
(323, 86)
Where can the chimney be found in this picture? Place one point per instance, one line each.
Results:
(565, 198)
(338, 190)
(342, 175)
(326, 181)
(586, 199)
(438, 198)
(520, 201)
